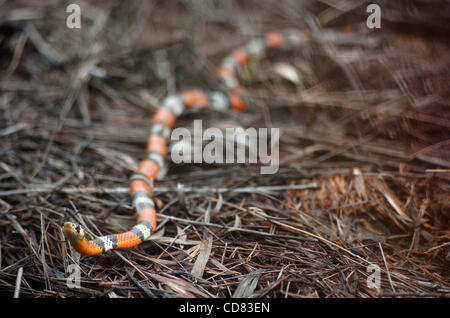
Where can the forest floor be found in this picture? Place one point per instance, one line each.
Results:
(358, 208)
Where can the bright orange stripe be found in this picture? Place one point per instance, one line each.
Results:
(240, 56)
(274, 40)
(148, 168)
(157, 143)
(238, 103)
(86, 247)
(148, 215)
(195, 98)
(127, 240)
(164, 116)
(139, 185)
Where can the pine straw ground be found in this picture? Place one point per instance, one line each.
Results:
(364, 152)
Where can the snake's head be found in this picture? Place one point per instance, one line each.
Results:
(73, 231)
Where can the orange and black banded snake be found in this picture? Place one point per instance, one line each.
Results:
(162, 122)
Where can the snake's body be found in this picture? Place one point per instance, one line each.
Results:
(162, 123)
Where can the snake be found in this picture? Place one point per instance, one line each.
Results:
(230, 97)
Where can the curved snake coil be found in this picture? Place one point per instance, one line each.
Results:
(162, 122)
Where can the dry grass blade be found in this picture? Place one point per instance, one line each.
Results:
(247, 286)
(202, 258)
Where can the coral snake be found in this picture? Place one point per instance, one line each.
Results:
(163, 120)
